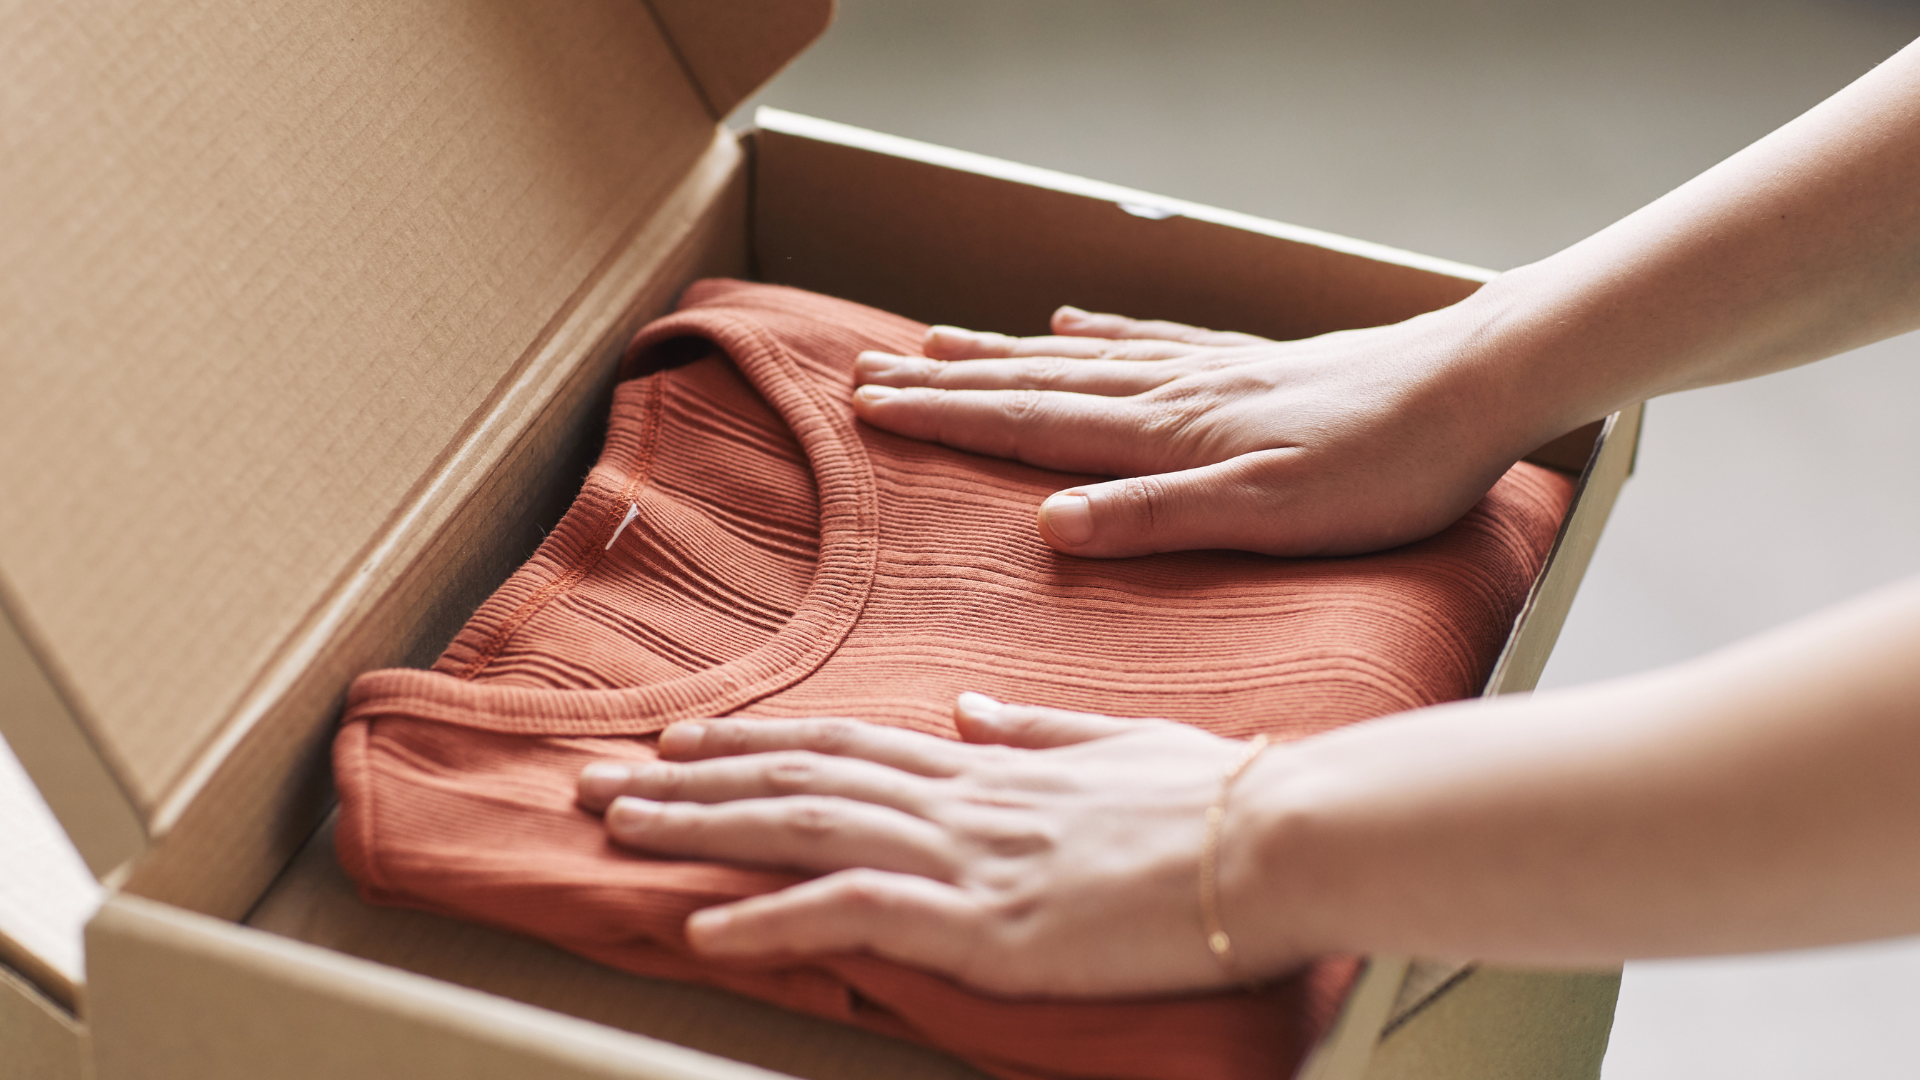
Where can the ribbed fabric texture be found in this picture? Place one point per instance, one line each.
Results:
(744, 547)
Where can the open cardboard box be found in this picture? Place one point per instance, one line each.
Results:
(311, 317)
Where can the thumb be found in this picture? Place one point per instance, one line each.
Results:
(1230, 504)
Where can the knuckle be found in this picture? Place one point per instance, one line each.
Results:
(1024, 404)
(1010, 908)
(667, 782)
(1017, 840)
(1212, 362)
(1011, 844)
(1134, 349)
(1180, 399)
(811, 818)
(1143, 498)
(1045, 373)
(996, 344)
(676, 819)
(864, 891)
(1169, 412)
(832, 736)
(927, 370)
(792, 772)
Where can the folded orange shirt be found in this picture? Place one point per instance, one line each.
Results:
(744, 547)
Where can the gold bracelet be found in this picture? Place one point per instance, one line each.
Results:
(1217, 941)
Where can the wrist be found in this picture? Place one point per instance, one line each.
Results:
(1268, 884)
(1528, 351)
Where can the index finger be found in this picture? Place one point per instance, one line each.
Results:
(909, 751)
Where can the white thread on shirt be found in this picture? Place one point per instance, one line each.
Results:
(633, 511)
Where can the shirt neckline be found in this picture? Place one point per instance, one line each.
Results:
(842, 582)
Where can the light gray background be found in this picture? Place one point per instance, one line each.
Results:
(1495, 132)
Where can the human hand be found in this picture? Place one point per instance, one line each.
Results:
(1051, 853)
(1344, 443)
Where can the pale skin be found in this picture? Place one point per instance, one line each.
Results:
(1758, 798)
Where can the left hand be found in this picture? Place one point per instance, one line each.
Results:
(1050, 853)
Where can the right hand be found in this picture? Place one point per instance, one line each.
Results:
(1349, 442)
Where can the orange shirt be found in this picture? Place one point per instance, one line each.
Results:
(744, 547)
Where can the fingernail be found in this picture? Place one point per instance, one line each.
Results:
(947, 333)
(876, 363)
(603, 778)
(977, 706)
(628, 814)
(1069, 517)
(1068, 311)
(703, 925)
(875, 393)
(682, 739)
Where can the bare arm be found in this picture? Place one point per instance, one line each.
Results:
(1805, 244)
(1763, 797)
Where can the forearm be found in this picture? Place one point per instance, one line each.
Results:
(1803, 245)
(1764, 797)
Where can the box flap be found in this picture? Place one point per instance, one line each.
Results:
(731, 47)
(261, 265)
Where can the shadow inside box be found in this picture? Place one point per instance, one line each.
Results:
(315, 901)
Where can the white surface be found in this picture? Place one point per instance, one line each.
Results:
(1495, 132)
(47, 894)
(1833, 1013)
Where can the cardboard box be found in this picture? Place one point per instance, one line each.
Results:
(311, 315)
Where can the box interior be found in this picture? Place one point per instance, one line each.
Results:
(825, 214)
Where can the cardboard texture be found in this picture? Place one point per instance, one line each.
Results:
(1504, 1025)
(730, 47)
(315, 902)
(476, 519)
(170, 984)
(39, 1040)
(311, 326)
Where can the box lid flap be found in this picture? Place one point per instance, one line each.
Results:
(261, 263)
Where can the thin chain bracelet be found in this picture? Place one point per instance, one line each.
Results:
(1218, 942)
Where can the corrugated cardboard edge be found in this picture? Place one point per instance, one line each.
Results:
(1551, 597)
(1139, 202)
(1550, 1025)
(43, 728)
(165, 983)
